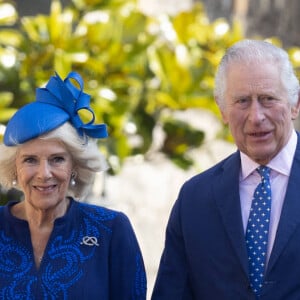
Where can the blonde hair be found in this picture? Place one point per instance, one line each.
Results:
(87, 159)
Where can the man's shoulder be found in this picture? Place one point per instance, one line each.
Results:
(226, 165)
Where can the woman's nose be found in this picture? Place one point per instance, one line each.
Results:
(44, 170)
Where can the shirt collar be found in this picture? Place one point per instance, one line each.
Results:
(281, 163)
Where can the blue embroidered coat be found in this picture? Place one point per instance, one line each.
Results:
(92, 254)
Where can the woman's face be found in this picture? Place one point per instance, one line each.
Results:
(44, 170)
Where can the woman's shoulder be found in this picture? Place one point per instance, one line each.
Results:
(105, 219)
(99, 213)
(2, 209)
(5, 208)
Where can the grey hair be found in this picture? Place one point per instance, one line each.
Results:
(249, 51)
(87, 160)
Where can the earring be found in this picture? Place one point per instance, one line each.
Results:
(14, 182)
(73, 182)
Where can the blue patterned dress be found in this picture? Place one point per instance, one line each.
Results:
(92, 254)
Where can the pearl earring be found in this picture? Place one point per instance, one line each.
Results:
(73, 182)
(14, 182)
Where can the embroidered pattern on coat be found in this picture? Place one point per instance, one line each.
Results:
(62, 264)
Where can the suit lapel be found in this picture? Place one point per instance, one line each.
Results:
(226, 193)
(290, 217)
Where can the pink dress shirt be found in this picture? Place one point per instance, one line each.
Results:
(280, 170)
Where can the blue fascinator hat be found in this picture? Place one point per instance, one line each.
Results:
(59, 102)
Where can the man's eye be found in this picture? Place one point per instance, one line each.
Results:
(267, 100)
(243, 102)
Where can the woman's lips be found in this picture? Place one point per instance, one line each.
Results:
(45, 188)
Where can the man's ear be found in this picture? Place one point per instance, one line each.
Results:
(222, 110)
(295, 109)
(224, 117)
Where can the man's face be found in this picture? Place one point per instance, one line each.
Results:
(257, 110)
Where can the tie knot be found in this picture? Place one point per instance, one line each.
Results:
(264, 171)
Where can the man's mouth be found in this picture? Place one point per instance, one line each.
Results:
(259, 134)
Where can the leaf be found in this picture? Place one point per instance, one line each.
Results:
(137, 69)
(10, 37)
(6, 99)
(6, 114)
(8, 14)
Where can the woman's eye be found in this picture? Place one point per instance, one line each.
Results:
(58, 159)
(29, 160)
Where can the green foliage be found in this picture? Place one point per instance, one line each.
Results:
(177, 148)
(136, 67)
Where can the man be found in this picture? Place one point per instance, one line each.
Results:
(219, 245)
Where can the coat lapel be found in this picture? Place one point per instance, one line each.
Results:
(290, 217)
(226, 193)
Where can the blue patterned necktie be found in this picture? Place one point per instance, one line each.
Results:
(258, 229)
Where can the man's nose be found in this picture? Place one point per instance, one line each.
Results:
(256, 111)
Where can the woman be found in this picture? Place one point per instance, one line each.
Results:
(51, 245)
